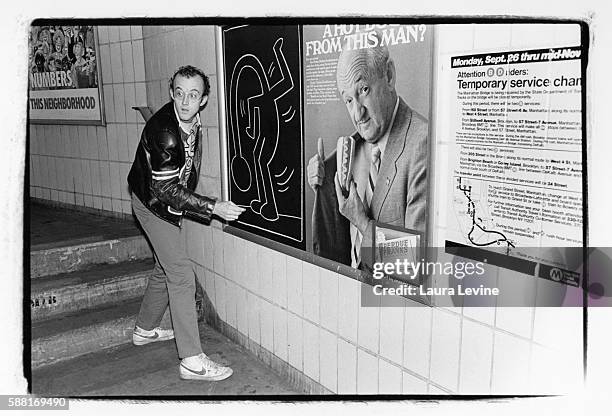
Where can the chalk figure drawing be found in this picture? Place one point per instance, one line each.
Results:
(251, 110)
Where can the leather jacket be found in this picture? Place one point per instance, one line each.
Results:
(158, 164)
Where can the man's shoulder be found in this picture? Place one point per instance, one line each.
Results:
(415, 123)
(163, 120)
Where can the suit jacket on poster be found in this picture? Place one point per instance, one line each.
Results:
(399, 194)
(158, 164)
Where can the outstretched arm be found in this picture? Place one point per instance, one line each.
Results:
(166, 186)
(285, 85)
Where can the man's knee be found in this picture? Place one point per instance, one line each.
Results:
(180, 278)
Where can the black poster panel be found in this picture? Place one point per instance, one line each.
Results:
(262, 67)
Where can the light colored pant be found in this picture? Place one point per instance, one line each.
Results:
(172, 281)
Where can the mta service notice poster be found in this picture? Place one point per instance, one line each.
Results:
(515, 155)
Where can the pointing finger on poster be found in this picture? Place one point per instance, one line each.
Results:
(227, 210)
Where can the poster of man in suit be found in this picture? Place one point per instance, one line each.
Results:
(370, 83)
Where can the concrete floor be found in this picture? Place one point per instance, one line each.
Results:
(152, 370)
(53, 227)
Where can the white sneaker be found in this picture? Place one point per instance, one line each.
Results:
(141, 336)
(207, 369)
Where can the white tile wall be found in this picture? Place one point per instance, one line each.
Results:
(417, 339)
(389, 378)
(239, 268)
(347, 367)
(368, 331)
(311, 293)
(122, 146)
(329, 300)
(138, 57)
(229, 256)
(295, 300)
(349, 293)
(267, 324)
(295, 335)
(266, 268)
(392, 333)
(280, 333)
(220, 297)
(445, 347)
(127, 61)
(412, 384)
(311, 350)
(481, 314)
(218, 263)
(511, 357)
(328, 365)
(231, 307)
(103, 34)
(476, 358)
(116, 71)
(367, 373)
(559, 328)
(124, 33)
(242, 311)
(435, 390)
(279, 279)
(517, 320)
(253, 303)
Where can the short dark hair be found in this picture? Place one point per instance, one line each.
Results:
(189, 71)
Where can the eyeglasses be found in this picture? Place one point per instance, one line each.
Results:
(192, 96)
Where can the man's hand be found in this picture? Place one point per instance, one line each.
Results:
(352, 207)
(316, 170)
(227, 210)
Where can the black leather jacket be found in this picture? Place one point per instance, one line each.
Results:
(155, 173)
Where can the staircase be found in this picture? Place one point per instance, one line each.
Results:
(85, 291)
(87, 277)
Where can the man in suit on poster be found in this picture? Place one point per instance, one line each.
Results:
(390, 163)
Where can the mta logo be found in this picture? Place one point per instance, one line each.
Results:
(556, 274)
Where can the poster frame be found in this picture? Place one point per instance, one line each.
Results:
(98, 122)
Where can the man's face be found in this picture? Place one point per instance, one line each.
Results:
(187, 96)
(78, 50)
(369, 99)
(45, 35)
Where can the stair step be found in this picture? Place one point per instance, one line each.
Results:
(152, 370)
(86, 331)
(79, 254)
(97, 286)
